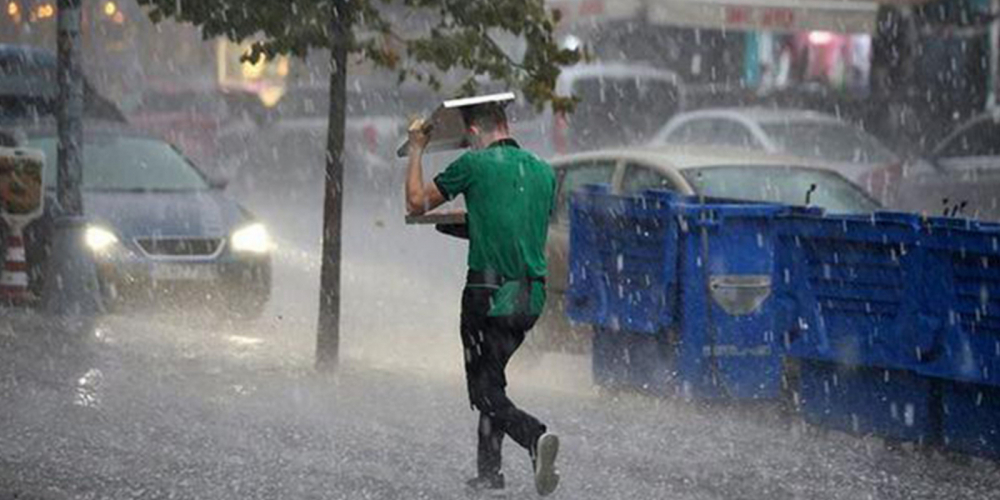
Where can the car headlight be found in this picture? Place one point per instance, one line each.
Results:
(252, 238)
(99, 239)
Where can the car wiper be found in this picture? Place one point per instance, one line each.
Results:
(812, 188)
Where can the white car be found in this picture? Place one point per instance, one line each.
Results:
(620, 104)
(689, 170)
(807, 134)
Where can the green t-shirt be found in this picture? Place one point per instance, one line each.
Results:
(509, 194)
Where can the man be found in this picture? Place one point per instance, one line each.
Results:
(509, 194)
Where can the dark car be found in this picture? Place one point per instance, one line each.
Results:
(159, 228)
(960, 176)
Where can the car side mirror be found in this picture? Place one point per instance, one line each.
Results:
(218, 183)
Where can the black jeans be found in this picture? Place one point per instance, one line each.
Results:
(489, 342)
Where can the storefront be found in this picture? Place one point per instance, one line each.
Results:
(776, 44)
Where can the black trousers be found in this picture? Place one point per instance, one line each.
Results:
(489, 342)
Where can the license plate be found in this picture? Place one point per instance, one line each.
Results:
(183, 272)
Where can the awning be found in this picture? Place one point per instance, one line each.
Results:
(841, 16)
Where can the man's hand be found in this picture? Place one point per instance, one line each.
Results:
(419, 135)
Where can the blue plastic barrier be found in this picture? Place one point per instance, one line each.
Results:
(895, 291)
(621, 264)
(728, 345)
(971, 418)
(863, 400)
(707, 297)
(628, 255)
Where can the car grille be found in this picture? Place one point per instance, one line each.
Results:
(180, 247)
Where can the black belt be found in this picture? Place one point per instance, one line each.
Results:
(494, 279)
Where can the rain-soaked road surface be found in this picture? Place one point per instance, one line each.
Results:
(181, 405)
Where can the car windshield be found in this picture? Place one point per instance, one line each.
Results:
(781, 184)
(117, 163)
(832, 141)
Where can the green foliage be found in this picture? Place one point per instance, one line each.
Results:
(460, 34)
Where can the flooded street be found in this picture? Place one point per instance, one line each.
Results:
(714, 249)
(186, 406)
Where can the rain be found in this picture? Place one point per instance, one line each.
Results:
(770, 253)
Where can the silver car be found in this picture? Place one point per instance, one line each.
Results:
(808, 134)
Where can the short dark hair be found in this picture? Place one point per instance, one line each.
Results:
(488, 117)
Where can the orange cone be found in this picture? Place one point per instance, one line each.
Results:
(14, 275)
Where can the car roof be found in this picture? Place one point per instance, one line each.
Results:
(762, 115)
(990, 115)
(37, 86)
(27, 71)
(616, 69)
(48, 128)
(684, 157)
(612, 70)
(32, 53)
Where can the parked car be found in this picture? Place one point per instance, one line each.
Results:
(159, 229)
(203, 122)
(960, 177)
(620, 104)
(689, 170)
(29, 87)
(376, 123)
(806, 134)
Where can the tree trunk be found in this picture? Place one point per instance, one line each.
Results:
(70, 109)
(70, 290)
(328, 334)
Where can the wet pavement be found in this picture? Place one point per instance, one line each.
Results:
(185, 405)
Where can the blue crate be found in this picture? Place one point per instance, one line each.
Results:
(887, 290)
(621, 262)
(628, 255)
(729, 347)
(893, 290)
(971, 418)
(585, 301)
(861, 400)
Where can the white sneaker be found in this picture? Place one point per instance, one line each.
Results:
(546, 475)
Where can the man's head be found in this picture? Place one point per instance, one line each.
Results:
(485, 124)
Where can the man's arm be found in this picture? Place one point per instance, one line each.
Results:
(420, 197)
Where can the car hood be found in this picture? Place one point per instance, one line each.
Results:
(167, 214)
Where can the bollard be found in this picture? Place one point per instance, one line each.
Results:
(14, 274)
